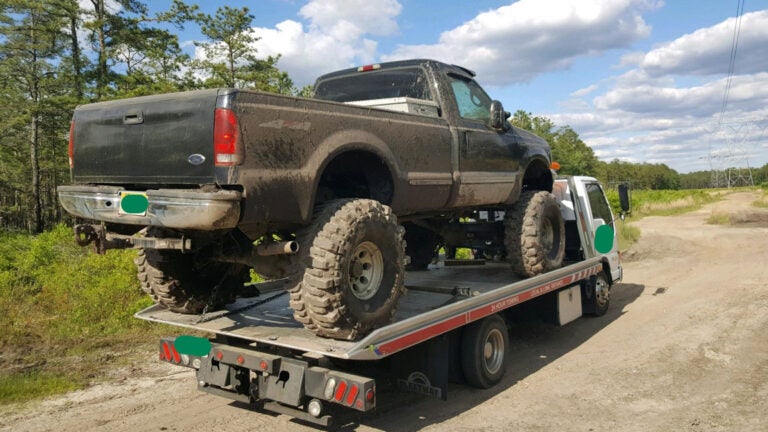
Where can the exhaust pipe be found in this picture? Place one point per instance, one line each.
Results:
(277, 248)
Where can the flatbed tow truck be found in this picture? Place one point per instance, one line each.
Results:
(452, 325)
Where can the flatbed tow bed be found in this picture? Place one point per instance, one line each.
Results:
(468, 293)
(451, 325)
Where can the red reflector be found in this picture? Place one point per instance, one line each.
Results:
(176, 356)
(340, 390)
(240, 359)
(166, 351)
(352, 394)
(219, 355)
(71, 150)
(370, 395)
(226, 138)
(359, 404)
(263, 365)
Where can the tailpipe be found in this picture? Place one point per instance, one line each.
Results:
(277, 248)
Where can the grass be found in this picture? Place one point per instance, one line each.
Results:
(719, 218)
(762, 202)
(658, 203)
(65, 310)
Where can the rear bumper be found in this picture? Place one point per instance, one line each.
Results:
(171, 208)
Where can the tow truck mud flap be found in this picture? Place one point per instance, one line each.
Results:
(425, 368)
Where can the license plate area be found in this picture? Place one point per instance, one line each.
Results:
(133, 203)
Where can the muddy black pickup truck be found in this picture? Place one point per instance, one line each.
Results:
(335, 195)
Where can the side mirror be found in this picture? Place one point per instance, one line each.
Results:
(624, 199)
(499, 116)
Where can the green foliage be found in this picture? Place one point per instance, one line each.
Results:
(574, 156)
(32, 385)
(663, 202)
(57, 298)
(627, 235)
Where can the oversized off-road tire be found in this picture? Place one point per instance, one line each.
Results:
(186, 285)
(355, 269)
(596, 295)
(534, 234)
(484, 351)
(420, 246)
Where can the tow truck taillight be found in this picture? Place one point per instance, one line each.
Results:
(227, 148)
(169, 353)
(71, 150)
(349, 393)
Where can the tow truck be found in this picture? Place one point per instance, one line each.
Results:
(452, 325)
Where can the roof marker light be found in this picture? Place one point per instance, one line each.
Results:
(368, 68)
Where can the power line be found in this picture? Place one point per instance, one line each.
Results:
(732, 60)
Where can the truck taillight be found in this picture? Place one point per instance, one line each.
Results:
(71, 150)
(227, 148)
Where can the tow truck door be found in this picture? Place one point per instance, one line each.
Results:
(592, 212)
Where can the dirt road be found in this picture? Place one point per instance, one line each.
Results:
(684, 347)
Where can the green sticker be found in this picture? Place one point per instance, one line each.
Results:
(134, 203)
(191, 345)
(604, 239)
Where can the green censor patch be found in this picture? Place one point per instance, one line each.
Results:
(604, 239)
(191, 345)
(133, 203)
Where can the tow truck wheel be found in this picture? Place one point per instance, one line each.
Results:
(534, 234)
(484, 352)
(187, 285)
(355, 267)
(596, 295)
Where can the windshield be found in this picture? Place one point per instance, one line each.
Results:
(387, 83)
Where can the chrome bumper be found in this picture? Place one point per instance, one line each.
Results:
(171, 208)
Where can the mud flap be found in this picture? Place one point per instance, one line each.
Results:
(425, 368)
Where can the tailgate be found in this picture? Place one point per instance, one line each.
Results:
(152, 139)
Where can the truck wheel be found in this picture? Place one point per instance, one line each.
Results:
(421, 246)
(484, 352)
(176, 281)
(596, 295)
(355, 268)
(534, 234)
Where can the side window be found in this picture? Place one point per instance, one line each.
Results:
(598, 203)
(472, 101)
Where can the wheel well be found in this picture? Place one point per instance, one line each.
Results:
(356, 174)
(537, 177)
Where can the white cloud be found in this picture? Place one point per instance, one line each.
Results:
(334, 37)
(707, 51)
(515, 43)
(668, 109)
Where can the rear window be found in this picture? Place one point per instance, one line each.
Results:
(381, 84)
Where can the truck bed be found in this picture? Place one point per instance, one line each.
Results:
(438, 300)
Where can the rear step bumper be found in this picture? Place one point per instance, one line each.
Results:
(171, 208)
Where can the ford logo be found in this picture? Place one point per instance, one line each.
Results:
(196, 159)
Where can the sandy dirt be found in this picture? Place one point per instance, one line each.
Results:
(684, 347)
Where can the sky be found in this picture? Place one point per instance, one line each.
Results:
(639, 80)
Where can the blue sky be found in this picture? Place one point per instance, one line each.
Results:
(639, 80)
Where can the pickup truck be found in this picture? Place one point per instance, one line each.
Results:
(336, 194)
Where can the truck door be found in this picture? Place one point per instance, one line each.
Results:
(487, 163)
(599, 215)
